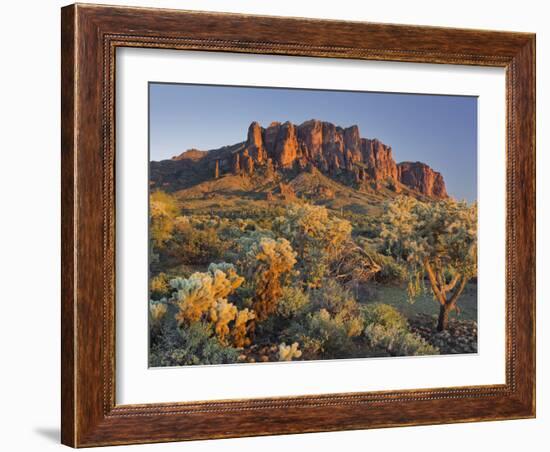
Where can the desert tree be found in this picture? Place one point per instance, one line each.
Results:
(434, 239)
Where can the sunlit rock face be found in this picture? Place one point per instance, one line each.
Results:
(420, 177)
(314, 144)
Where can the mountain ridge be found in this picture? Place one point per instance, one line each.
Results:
(314, 145)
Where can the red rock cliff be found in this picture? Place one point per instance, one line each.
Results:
(422, 178)
(333, 150)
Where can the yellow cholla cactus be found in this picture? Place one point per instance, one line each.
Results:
(220, 316)
(268, 261)
(203, 297)
(157, 310)
(240, 328)
(197, 295)
(288, 352)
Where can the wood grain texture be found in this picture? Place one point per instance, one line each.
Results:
(68, 310)
(90, 36)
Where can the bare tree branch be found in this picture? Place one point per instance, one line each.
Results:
(458, 291)
(433, 281)
(452, 283)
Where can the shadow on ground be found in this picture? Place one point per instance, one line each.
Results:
(50, 433)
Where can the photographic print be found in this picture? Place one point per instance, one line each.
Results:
(297, 224)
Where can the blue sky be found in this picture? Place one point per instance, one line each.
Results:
(438, 130)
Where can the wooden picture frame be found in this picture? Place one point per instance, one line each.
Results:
(90, 36)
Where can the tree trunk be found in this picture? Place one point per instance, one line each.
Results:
(443, 321)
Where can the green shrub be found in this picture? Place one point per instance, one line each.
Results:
(384, 315)
(293, 301)
(196, 346)
(387, 332)
(316, 235)
(198, 246)
(163, 330)
(391, 271)
(332, 297)
(321, 336)
(398, 342)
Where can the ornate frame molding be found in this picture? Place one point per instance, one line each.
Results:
(90, 37)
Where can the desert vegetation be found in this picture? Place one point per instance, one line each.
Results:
(307, 242)
(302, 280)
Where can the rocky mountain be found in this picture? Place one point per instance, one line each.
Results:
(420, 177)
(285, 148)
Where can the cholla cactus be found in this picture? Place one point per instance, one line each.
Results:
(203, 296)
(316, 236)
(221, 314)
(228, 269)
(200, 292)
(182, 222)
(241, 328)
(437, 239)
(157, 311)
(268, 261)
(159, 286)
(288, 352)
(311, 222)
(273, 253)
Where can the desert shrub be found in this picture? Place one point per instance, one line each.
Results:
(220, 315)
(195, 346)
(195, 240)
(331, 296)
(157, 316)
(390, 270)
(293, 301)
(163, 328)
(159, 286)
(322, 336)
(315, 267)
(163, 210)
(387, 331)
(353, 265)
(316, 237)
(367, 225)
(398, 342)
(312, 347)
(341, 305)
(196, 295)
(385, 315)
